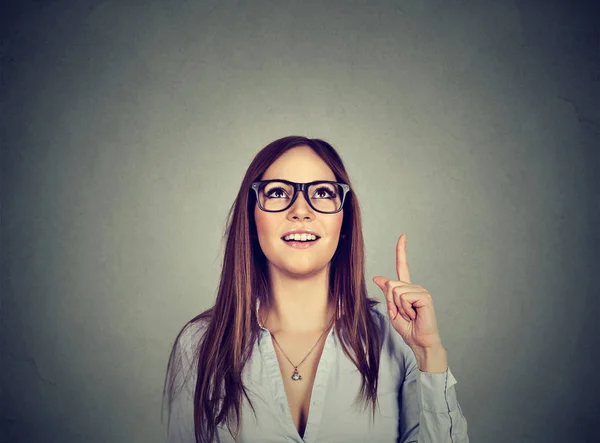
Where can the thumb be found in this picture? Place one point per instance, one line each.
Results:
(381, 282)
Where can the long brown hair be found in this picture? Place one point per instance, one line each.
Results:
(231, 324)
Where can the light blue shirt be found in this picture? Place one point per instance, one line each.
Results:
(414, 406)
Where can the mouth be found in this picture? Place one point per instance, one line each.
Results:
(300, 241)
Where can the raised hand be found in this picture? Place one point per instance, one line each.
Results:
(411, 312)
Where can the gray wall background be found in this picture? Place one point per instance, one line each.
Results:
(472, 126)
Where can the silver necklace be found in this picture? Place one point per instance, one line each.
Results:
(296, 375)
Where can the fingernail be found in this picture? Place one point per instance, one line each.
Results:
(391, 313)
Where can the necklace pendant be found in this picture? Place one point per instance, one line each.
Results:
(296, 376)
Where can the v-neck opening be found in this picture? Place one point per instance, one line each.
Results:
(317, 394)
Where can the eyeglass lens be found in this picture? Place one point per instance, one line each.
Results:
(276, 196)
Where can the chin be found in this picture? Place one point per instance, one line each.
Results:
(299, 271)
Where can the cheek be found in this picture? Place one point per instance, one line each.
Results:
(336, 225)
(264, 227)
(260, 226)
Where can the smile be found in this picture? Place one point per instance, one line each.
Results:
(300, 237)
(299, 244)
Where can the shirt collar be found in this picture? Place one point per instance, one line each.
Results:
(260, 325)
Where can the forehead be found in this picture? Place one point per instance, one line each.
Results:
(300, 164)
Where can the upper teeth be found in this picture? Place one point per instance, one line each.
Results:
(300, 237)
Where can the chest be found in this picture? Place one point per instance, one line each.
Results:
(298, 392)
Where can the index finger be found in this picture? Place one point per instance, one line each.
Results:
(401, 261)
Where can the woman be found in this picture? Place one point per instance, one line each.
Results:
(294, 350)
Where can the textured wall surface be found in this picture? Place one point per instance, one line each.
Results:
(472, 126)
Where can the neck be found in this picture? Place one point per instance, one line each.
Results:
(298, 305)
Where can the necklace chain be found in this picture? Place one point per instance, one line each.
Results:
(296, 376)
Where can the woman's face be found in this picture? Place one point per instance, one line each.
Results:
(301, 165)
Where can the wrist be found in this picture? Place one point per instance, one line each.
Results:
(432, 360)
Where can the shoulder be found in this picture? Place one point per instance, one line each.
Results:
(189, 337)
(193, 330)
(182, 366)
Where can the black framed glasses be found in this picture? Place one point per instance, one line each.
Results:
(278, 195)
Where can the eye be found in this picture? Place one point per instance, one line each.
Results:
(276, 193)
(325, 191)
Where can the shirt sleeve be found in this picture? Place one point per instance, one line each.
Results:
(181, 376)
(430, 412)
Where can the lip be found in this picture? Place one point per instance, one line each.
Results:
(300, 231)
(299, 244)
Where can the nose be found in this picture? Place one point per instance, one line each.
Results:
(300, 209)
